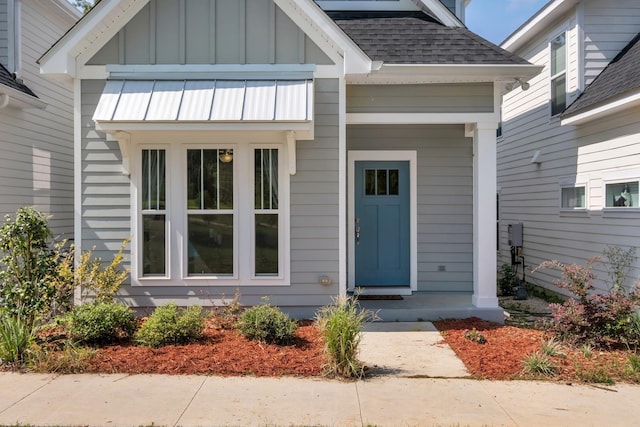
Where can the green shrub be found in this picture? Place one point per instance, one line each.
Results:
(28, 264)
(507, 280)
(267, 323)
(538, 363)
(341, 325)
(171, 325)
(101, 323)
(552, 348)
(71, 358)
(16, 337)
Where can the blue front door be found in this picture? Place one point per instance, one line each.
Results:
(381, 223)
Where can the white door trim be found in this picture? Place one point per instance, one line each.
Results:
(380, 155)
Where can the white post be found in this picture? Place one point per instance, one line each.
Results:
(484, 215)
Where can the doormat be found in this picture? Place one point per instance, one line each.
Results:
(379, 297)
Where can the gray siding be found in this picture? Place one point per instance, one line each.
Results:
(313, 220)
(210, 32)
(588, 153)
(36, 167)
(4, 36)
(440, 98)
(445, 197)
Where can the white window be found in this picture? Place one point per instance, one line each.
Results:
(621, 194)
(153, 213)
(229, 223)
(558, 68)
(573, 197)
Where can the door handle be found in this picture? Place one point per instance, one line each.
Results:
(357, 231)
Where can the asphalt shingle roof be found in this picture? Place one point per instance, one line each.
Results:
(619, 77)
(417, 38)
(7, 79)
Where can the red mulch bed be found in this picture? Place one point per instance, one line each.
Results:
(501, 356)
(221, 352)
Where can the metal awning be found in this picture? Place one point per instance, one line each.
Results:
(205, 102)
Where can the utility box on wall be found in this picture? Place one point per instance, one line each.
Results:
(515, 234)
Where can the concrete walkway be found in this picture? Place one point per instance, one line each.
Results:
(417, 381)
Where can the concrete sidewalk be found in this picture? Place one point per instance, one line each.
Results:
(416, 381)
(122, 400)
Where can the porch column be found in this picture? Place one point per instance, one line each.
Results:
(484, 215)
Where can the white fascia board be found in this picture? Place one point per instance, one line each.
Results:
(323, 31)
(446, 73)
(382, 5)
(88, 36)
(207, 71)
(539, 22)
(607, 109)
(14, 98)
(442, 13)
(419, 118)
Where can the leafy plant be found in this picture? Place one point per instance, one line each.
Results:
(341, 325)
(267, 323)
(619, 262)
(26, 287)
(634, 363)
(552, 348)
(507, 280)
(16, 337)
(595, 375)
(587, 350)
(171, 325)
(70, 359)
(92, 275)
(538, 363)
(474, 336)
(101, 323)
(592, 318)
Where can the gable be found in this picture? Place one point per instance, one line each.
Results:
(210, 32)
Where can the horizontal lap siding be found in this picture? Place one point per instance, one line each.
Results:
(445, 197)
(314, 211)
(530, 193)
(4, 37)
(37, 145)
(438, 98)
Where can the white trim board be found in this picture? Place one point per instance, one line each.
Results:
(381, 155)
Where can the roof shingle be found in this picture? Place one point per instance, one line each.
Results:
(622, 75)
(417, 38)
(7, 79)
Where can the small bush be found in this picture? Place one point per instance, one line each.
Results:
(267, 323)
(171, 325)
(538, 363)
(552, 348)
(474, 336)
(101, 323)
(341, 325)
(16, 337)
(69, 359)
(507, 280)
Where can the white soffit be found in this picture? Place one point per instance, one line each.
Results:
(206, 101)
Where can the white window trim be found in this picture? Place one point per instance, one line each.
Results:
(607, 182)
(380, 155)
(574, 182)
(176, 221)
(552, 77)
(136, 223)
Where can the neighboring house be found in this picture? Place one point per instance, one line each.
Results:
(288, 148)
(569, 155)
(36, 114)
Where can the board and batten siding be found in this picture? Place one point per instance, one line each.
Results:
(530, 193)
(4, 33)
(210, 32)
(445, 197)
(106, 213)
(437, 98)
(36, 168)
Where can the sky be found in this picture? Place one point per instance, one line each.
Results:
(495, 20)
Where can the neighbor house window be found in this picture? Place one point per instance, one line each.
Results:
(154, 215)
(558, 74)
(210, 212)
(621, 194)
(573, 197)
